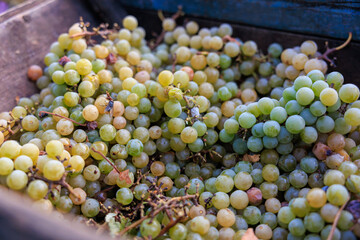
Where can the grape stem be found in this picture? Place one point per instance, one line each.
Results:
(101, 30)
(227, 38)
(331, 50)
(170, 225)
(61, 182)
(337, 217)
(171, 203)
(160, 38)
(58, 115)
(124, 175)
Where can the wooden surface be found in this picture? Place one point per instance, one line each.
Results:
(26, 33)
(20, 221)
(322, 17)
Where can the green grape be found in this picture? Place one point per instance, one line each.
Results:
(325, 124)
(313, 222)
(252, 215)
(317, 109)
(90, 208)
(296, 227)
(265, 105)
(302, 81)
(295, 124)
(124, 196)
(309, 135)
(285, 215)
(278, 114)
(134, 147)
(337, 194)
(351, 117)
(247, 120)
(292, 107)
(349, 93)
(271, 128)
(17, 180)
(305, 96)
(6, 166)
(37, 189)
(318, 86)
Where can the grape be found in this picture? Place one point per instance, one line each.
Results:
(305, 96)
(252, 215)
(6, 166)
(295, 124)
(278, 114)
(200, 225)
(17, 180)
(37, 189)
(247, 120)
(271, 128)
(277, 153)
(328, 96)
(337, 194)
(124, 196)
(349, 93)
(351, 116)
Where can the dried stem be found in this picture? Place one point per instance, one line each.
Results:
(12, 130)
(160, 38)
(331, 50)
(61, 182)
(174, 63)
(138, 222)
(95, 32)
(227, 38)
(170, 225)
(337, 217)
(122, 175)
(57, 115)
(159, 205)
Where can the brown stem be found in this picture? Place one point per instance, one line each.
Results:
(174, 63)
(57, 115)
(161, 15)
(227, 38)
(178, 13)
(170, 225)
(87, 33)
(122, 175)
(331, 50)
(337, 217)
(159, 39)
(162, 35)
(61, 182)
(12, 131)
(138, 222)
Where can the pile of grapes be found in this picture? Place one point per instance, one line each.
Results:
(197, 135)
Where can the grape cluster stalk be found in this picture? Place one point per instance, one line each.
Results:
(195, 135)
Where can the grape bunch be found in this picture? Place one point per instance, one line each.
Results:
(197, 135)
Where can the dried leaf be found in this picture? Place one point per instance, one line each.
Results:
(64, 60)
(124, 176)
(249, 235)
(111, 59)
(251, 157)
(92, 125)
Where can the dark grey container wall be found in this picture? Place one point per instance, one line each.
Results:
(320, 18)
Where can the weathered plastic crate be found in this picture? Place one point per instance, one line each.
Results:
(27, 31)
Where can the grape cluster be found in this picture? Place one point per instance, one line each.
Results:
(239, 139)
